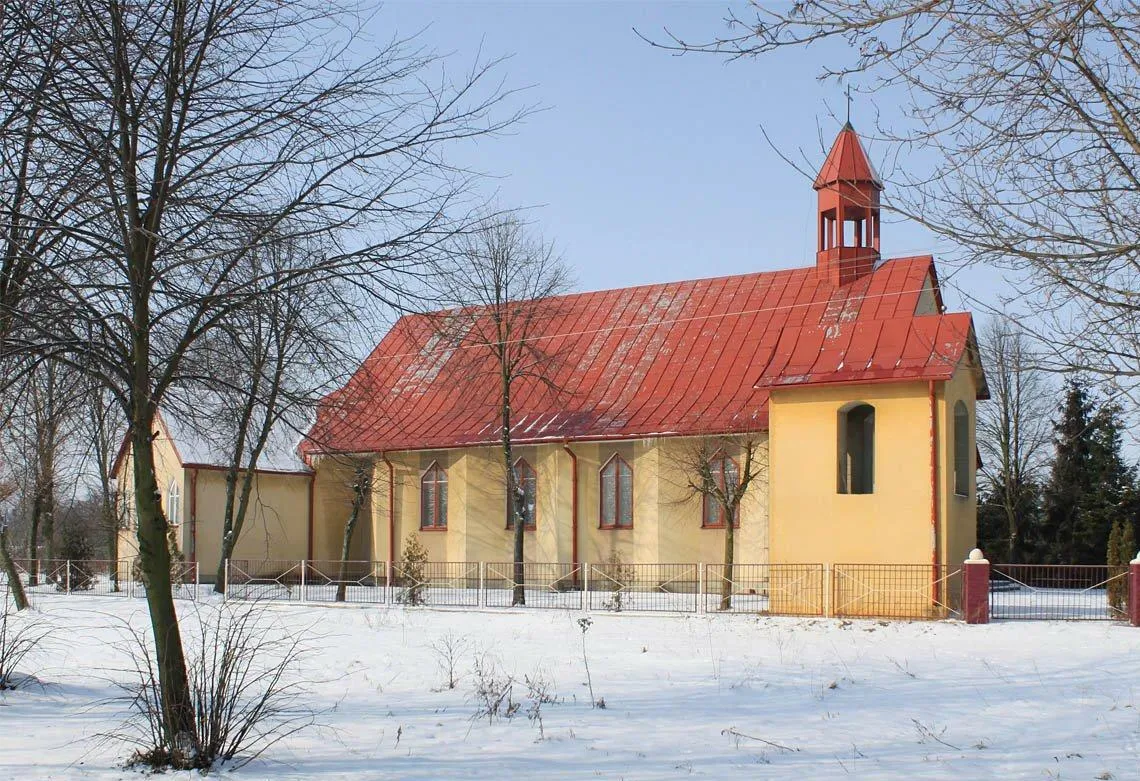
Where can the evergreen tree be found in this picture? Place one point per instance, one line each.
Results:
(1070, 479)
(1090, 485)
(1111, 491)
(994, 523)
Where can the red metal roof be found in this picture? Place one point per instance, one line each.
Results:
(679, 358)
(847, 162)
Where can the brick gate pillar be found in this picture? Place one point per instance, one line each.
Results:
(976, 589)
(1134, 591)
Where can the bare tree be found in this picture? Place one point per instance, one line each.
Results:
(361, 486)
(1014, 427)
(196, 131)
(1026, 118)
(719, 470)
(271, 364)
(105, 429)
(11, 574)
(503, 283)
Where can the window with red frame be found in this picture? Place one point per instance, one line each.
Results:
(616, 494)
(724, 472)
(433, 498)
(527, 482)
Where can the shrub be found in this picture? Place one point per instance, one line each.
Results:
(619, 576)
(19, 637)
(76, 548)
(243, 686)
(414, 571)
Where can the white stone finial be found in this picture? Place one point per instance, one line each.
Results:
(1137, 559)
(976, 557)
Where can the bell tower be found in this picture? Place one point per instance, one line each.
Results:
(848, 191)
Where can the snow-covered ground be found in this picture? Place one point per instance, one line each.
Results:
(712, 696)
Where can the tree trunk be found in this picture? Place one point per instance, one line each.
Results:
(359, 492)
(47, 524)
(154, 555)
(518, 596)
(14, 583)
(234, 521)
(729, 558)
(34, 539)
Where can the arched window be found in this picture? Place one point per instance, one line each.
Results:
(726, 476)
(526, 481)
(433, 498)
(961, 449)
(616, 495)
(857, 449)
(173, 504)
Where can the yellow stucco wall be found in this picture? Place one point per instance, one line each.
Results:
(168, 470)
(811, 521)
(960, 513)
(666, 525)
(332, 503)
(276, 525)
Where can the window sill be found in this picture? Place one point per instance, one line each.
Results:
(961, 496)
(433, 528)
(613, 527)
(525, 528)
(718, 526)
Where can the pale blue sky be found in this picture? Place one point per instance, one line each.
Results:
(648, 167)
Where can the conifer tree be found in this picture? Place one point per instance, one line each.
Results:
(1069, 479)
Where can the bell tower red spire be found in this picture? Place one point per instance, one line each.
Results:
(848, 190)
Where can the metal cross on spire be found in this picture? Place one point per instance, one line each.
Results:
(848, 105)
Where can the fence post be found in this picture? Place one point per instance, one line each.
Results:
(702, 580)
(302, 592)
(828, 589)
(976, 588)
(226, 582)
(1134, 590)
(387, 582)
(482, 584)
(585, 587)
(67, 576)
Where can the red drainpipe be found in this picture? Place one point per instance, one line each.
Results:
(391, 510)
(935, 590)
(194, 516)
(312, 479)
(573, 507)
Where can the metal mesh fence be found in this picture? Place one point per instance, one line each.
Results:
(896, 591)
(99, 577)
(270, 579)
(438, 583)
(364, 582)
(777, 589)
(1058, 592)
(556, 586)
(620, 587)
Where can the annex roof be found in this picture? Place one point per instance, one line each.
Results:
(196, 448)
(671, 359)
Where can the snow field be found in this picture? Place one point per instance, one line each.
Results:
(686, 696)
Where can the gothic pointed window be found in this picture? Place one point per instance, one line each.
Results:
(433, 498)
(616, 494)
(726, 475)
(526, 482)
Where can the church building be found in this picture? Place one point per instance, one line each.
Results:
(855, 385)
